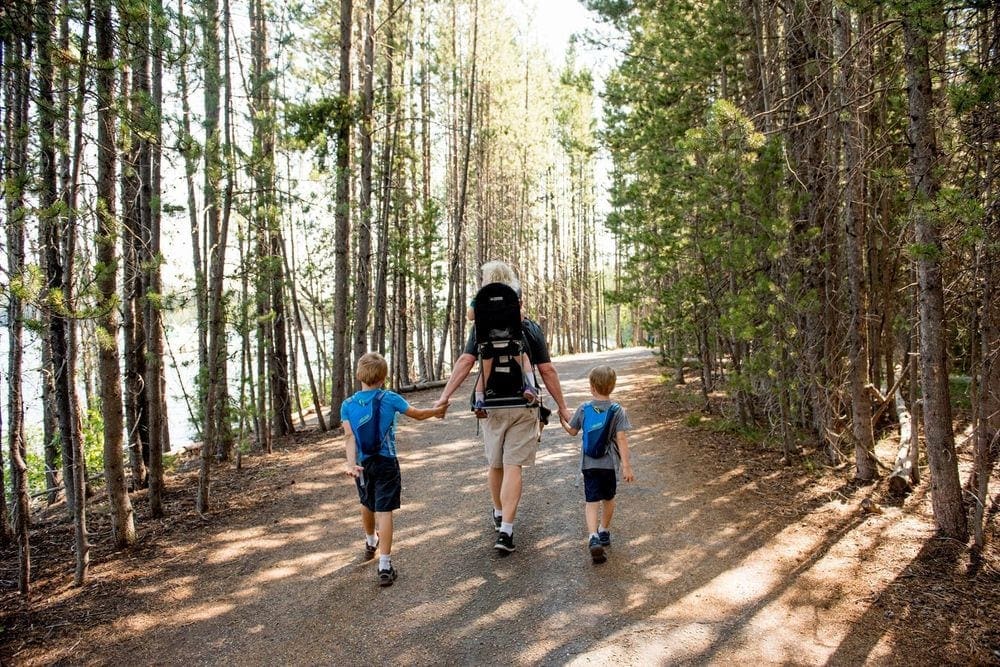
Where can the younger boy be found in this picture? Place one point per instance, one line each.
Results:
(377, 474)
(599, 471)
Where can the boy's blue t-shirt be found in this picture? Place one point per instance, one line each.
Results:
(358, 405)
(619, 422)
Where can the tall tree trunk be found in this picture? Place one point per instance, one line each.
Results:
(159, 440)
(73, 162)
(808, 81)
(920, 25)
(455, 292)
(122, 518)
(134, 30)
(363, 231)
(341, 358)
(17, 74)
(190, 151)
(216, 413)
(855, 208)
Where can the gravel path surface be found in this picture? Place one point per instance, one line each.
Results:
(709, 563)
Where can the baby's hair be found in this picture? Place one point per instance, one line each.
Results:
(500, 272)
(602, 379)
(372, 369)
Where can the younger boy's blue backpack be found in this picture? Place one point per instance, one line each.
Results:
(597, 429)
(368, 432)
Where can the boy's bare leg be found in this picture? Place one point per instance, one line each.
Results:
(367, 520)
(591, 511)
(384, 520)
(607, 511)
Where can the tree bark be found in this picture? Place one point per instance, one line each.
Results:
(122, 518)
(18, 51)
(159, 439)
(855, 211)
(920, 24)
(341, 357)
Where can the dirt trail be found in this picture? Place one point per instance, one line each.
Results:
(711, 563)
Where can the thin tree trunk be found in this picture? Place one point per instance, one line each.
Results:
(455, 278)
(122, 518)
(190, 150)
(855, 210)
(159, 440)
(18, 52)
(363, 231)
(341, 358)
(920, 24)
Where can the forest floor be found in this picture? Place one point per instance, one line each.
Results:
(721, 555)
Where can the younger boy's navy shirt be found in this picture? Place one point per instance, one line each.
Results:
(358, 405)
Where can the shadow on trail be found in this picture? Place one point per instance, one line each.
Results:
(705, 558)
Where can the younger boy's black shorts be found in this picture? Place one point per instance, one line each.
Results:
(599, 484)
(380, 484)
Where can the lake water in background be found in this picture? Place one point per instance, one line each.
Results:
(181, 372)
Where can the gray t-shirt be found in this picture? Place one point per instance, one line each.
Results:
(620, 422)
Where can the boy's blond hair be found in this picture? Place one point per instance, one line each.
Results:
(602, 380)
(500, 272)
(372, 369)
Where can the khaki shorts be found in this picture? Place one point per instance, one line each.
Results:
(510, 437)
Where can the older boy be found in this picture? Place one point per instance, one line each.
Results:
(604, 452)
(373, 463)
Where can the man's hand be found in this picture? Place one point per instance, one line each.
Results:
(442, 401)
(441, 408)
(565, 415)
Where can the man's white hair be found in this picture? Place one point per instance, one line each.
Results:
(500, 272)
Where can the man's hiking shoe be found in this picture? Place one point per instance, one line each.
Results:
(386, 577)
(597, 551)
(480, 409)
(370, 550)
(504, 543)
(530, 394)
(497, 520)
(605, 537)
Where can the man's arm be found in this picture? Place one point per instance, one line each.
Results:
(551, 379)
(463, 366)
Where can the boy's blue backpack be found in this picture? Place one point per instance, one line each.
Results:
(597, 429)
(368, 432)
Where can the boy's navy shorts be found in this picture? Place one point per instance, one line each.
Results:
(599, 484)
(380, 484)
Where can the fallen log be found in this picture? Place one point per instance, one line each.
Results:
(905, 472)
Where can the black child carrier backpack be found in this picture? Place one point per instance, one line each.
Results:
(500, 338)
(369, 432)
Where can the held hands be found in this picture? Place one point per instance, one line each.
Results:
(565, 415)
(440, 408)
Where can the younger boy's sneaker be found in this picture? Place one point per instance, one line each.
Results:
(504, 543)
(386, 577)
(529, 393)
(596, 550)
(605, 537)
(480, 409)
